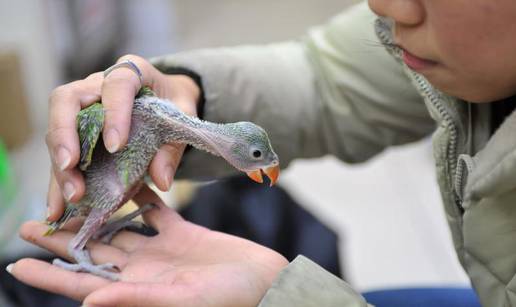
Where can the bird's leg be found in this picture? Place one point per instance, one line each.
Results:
(76, 248)
(108, 231)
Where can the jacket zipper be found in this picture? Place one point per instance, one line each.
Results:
(383, 31)
(452, 147)
(452, 128)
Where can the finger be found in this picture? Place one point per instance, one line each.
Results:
(64, 104)
(164, 165)
(51, 278)
(62, 139)
(57, 243)
(55, 201)
(158, 218)
(71, 184)
(118, 91)
(144, 294)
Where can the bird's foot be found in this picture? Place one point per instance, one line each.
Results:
(108, 231)
(105, 270)
(85, 264)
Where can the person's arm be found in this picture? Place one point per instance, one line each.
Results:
(303, 283)
(336, 91)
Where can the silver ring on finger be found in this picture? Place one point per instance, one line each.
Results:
(127, 64)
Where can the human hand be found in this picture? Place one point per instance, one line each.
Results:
(117, 91)
(184, 265)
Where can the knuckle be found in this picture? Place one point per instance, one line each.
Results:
(94, 75)
(121, 78)
(60, 92)
(57, 135)
(56, 93)
(113, 79)
(59, 176)
(54, 138)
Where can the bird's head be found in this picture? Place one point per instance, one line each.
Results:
(251, 152)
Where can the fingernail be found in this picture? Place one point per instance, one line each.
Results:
(168, 176)
(9, 268)
(48, 213)
(68, 191)
(63, 158)
(112, 140)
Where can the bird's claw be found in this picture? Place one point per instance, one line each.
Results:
(84, 264)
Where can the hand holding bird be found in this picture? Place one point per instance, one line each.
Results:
(184, 265)
(117, 90)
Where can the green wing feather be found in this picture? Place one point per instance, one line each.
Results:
(145, 91)
(90, 122)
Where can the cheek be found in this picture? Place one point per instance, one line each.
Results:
(477, 56)
(458, 43)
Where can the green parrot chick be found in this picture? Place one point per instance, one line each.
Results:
(113, 179)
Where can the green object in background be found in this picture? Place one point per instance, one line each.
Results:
(4, 164)
(11, 212)
(7, 187)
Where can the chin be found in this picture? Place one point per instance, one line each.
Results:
(478, 96)
(470, 93)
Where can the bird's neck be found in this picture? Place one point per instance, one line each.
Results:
(174, 126)
(203, 135)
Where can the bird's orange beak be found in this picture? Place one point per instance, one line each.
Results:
(271, 172)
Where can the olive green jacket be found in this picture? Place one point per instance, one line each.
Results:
(338, 91)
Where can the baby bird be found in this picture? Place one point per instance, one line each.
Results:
(113, 179)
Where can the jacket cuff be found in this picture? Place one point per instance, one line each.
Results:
(303, 283)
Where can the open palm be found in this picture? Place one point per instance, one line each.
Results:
(184, 265)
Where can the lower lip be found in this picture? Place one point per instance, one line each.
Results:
(416, 63)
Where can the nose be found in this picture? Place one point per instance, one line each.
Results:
(403, 12)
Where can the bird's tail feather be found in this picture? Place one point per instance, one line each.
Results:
(70, 211)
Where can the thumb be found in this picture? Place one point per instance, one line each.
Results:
(164, 165)
(141, 294)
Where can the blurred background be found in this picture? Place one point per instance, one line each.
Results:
(390, 232)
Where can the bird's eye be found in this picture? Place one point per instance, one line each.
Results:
(257, 154)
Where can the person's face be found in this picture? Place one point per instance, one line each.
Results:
(465, 48)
